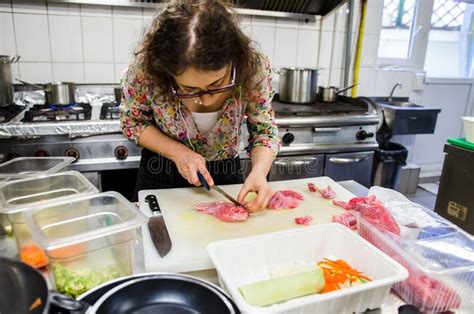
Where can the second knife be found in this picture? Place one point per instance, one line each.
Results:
(157, 227)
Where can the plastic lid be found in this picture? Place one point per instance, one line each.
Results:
(24, 194)
(63, 223)
(27, 167)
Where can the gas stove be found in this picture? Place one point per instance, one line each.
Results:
(10, 111)
(109, 111)
(48, 113)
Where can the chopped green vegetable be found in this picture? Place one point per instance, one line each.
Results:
(283, 288)
(74, 282)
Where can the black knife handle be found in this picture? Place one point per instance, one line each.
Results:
(203, 181)
(153, 203)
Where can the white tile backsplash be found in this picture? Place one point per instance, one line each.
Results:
(39, 72)
(286, 42)
(96, 10)
(66, 38)
(341, 18)
(369, 50)
(149, 13)
(265, 39)
(264, 21)
(68, 72)
(5, 6)
(120, 68)
(32, 37)
(373, 17)
(336, 77)
(338, 52)
(99, 72)
(98, 39)
(245, 23)
(127, 12)
(406, 78)
(329, 22)
(7, 34)
(312, 25)
(127, 35)
(64, 9)
(15, 72)
(287, 23)
(325, 50)
(32, 7)
(307, 51)
(323, 77)
(384, 81)
(367, 77)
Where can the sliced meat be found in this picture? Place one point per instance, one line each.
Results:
(224, 211)
(372, 210)
(347, 219)
(305, 220)
(327, 192)
(312, 187)
(285, 199)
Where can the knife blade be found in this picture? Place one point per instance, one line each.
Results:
(157, 227)
(217, 189)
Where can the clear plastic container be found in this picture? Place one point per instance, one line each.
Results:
(88, 240)
(440, 262)
(18, 196)
(27, 167)
(251, 259)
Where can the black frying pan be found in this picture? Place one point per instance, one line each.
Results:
(165, 293)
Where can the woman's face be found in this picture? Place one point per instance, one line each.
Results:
(193, 80)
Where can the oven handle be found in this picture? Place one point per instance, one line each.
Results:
(326, 130)
(294, 163)
(345, 161)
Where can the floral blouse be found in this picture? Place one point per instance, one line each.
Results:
(143, 105)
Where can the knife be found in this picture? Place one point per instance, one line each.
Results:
(218, 189)
(157, 228)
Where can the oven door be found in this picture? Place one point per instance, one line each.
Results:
(350, 166)
(296, 167)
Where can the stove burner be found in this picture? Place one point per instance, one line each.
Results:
(344, 105)
(48, 113)
(8, 112)
(110, 111)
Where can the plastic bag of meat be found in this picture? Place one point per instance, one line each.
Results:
(223, 211)
(285, 199)
(372, 210)
(347, 219)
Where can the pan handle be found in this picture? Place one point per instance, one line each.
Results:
(346, 88)
(30, 84)
(59, 303)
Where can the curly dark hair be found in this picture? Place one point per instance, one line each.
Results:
(203, 34)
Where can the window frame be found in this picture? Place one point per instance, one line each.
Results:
(418, 38)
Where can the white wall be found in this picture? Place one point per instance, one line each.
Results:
(93, 44)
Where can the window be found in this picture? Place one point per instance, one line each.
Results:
(451, 40)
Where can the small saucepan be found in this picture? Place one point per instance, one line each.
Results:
(329, 93)
(57, 93)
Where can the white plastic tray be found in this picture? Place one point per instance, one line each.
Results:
(247, 260)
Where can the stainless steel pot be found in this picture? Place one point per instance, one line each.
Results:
(118, 91)
(329, 93)
(57, 93)
(298, 85)
(6, 85)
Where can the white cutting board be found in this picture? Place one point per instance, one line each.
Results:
(191, 231)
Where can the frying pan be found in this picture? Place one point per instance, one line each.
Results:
(165, 293)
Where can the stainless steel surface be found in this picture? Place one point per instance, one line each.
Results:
(390, 96)
(318, 149)
(57, 93)
(222, 192)
(159, 6)
(298, 85)
(404, 117)
(330, 93)
(350, 166)
(6, 83)
(296, 167)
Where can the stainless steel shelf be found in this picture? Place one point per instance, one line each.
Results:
(136, 4)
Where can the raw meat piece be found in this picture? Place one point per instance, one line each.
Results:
(327, 192)
(224, 211)
(347, 219)
(372, 210)
(303, 220)
(285, 199)
(312, 187)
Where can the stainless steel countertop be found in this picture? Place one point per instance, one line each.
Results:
(8, 249)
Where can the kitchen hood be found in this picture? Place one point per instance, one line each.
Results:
(313, 7)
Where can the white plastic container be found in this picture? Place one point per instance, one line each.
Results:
(469, 128)
(247, 260)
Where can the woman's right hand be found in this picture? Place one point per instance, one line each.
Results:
(189, 163)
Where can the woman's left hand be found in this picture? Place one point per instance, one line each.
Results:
(255, 182)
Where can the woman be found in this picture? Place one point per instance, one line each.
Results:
(190, 84)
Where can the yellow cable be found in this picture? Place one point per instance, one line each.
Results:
(360, 37)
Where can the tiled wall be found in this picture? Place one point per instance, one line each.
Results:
(83, 43)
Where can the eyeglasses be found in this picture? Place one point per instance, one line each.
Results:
(213, 91)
